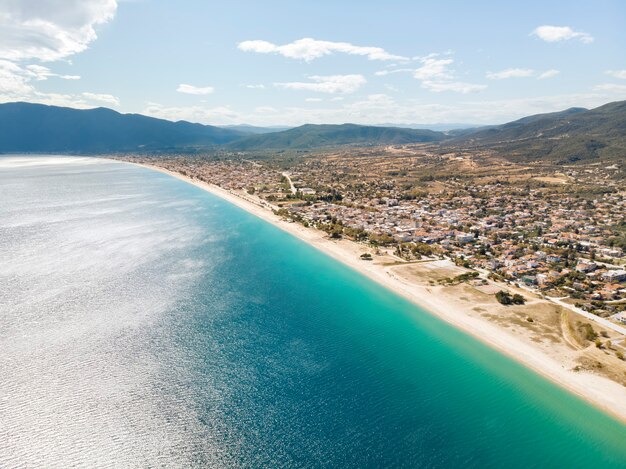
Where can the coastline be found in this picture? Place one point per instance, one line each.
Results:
(597, 390)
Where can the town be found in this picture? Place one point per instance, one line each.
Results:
(561, 235)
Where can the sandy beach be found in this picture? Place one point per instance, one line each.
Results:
(465, 308)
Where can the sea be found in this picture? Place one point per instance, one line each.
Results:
(147, 323)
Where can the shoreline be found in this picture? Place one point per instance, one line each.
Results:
(599, 391)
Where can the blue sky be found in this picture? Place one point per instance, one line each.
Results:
(288, 63)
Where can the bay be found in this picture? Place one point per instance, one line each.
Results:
(145, 322)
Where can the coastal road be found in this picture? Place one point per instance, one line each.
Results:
(559, 301)
(605, 322)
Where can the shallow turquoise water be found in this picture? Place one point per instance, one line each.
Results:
(150, 323)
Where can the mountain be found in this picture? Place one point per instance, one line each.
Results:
(252, 129)
(316, 136)
(575, 134)
(27, 127)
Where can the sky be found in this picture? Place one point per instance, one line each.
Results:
(286, 63)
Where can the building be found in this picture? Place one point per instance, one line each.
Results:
(614, 275)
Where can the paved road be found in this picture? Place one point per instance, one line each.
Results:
(605, 322)
(293, 188)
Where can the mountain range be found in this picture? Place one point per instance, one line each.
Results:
(568, 136)
(565, 137)
(315, 136)
(27, 127)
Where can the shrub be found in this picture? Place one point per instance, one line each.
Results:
(586, 330)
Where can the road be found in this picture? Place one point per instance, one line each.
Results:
(605, 322)
(292, 187)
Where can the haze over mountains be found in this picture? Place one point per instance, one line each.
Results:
(567, 136)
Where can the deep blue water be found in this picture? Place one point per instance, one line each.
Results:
(146, 322)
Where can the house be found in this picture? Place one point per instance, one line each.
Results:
(616, 253)
(586, 267)
(464, 238)
(614, 275)
(621, 317)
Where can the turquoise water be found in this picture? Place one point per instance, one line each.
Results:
(146, 322)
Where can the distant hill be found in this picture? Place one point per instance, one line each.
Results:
(252, 129)
(316, 136)
(576, 134)
(438, 127)
(27, 127)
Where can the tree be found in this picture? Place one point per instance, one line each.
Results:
(504, 298)
(518, 299)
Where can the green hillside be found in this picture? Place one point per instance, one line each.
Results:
(26, 127)
(573, 135)
(317, 136)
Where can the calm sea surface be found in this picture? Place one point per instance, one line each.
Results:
(144, 323)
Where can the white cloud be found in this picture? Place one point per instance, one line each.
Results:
(309, 49)
(313, 100)
(436, 76)
(337, 98)
(561, 33)
(617, 73)
(40, 73)
(256, 87)
(611, 87)
(190, 89)
(15, 79)
(457, 86)
(46, 31)
(265, 110)
(103, 98)
(433, 68)
(510, 73)
(548, 74)
(382, 73)
(50, 30)
(16, 85)
(391, 88)
(327, 84)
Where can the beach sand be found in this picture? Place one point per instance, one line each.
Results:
(471, 310)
